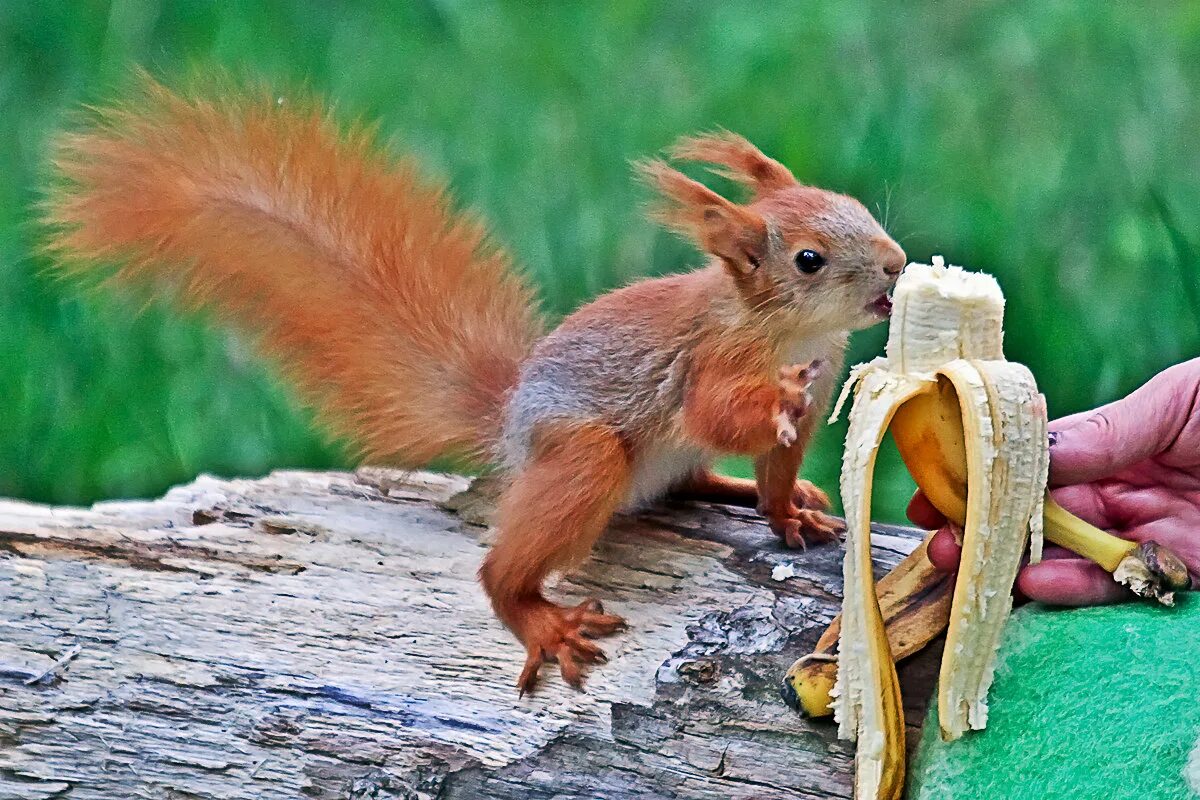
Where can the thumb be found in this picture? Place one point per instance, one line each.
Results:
(1088, 447)
(1104, 443)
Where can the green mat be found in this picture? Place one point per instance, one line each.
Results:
(1088, 703)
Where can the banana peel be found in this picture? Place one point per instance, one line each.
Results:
(971, 428)
(866, 695)
(914, 599)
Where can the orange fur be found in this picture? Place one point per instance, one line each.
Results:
(780, 491)
(707, 486)
(741, 161)
(415, 337)
(547, 523)
(733, 233)
(733, 402)
(340, 261)
(791, 506)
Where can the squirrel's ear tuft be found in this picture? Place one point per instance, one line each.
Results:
(737, 160)
(733, 233)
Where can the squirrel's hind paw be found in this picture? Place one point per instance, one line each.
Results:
(805, 526)
(806, 494)
(553, 633)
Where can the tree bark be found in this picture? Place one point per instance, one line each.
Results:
(322, 635)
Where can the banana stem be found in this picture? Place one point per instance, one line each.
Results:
(1069, 531)
(1149, 569)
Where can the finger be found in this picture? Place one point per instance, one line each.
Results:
(1084, 501)
(944, 551)
(818, 527)
(1019, 597)
(1144, 424)
(922, 512)
(1059, 425)
(1070, 582)
(1053, 552)
(785, 431)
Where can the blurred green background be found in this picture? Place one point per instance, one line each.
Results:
(1054, 144)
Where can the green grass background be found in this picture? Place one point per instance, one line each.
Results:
(1052, 143)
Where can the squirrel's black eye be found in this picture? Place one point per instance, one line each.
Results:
(809, 261)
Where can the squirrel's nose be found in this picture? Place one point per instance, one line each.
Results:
(891, 257)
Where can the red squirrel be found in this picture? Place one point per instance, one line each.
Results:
(414, 337)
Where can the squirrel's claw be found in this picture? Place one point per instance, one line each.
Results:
(785, 431)
(803, 526)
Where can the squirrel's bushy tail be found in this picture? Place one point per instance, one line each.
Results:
(394, 314)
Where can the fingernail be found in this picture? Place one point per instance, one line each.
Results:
(1053, 437)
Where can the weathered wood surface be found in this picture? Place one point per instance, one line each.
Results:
(323, 636)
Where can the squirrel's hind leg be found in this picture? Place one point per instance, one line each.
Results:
(776, 492)
(706, 486)
(549, 518)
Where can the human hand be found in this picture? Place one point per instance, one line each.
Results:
(1131, 467)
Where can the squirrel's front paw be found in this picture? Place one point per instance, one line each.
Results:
(794, 383)
(785, 429)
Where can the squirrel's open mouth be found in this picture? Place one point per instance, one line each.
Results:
(881, 305)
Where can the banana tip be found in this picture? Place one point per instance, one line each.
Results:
(788, 693)
(1166, 565)
(1151, 570)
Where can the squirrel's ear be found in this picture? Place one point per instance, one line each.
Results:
(739, 160)
(733, 233)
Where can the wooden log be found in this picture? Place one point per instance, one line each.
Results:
(322, 635)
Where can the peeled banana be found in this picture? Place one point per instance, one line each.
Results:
(971, 428)
(929, 434)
